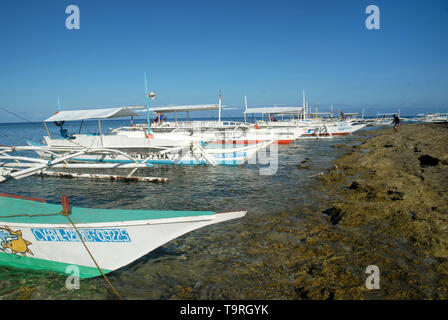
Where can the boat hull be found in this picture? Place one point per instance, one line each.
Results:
(242, 135)
(340, 129)
(115, 238)
(194, 154)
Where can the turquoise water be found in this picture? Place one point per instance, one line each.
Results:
(205, 264)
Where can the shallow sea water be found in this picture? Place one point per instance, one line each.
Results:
(209, 263)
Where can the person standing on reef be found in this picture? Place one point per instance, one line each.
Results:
(396, 123)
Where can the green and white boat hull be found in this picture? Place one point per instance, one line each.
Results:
(35, 236)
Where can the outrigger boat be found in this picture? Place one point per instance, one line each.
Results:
(136, 143)
(38, 235)
(218, 132)
(387, 118)
(330, 128)
(300, 121)
(300, 125)
(433, 117)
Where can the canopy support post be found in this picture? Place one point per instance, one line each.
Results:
(220, 107)
(48, 131)
(101, 134)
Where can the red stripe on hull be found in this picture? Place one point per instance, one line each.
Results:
(284, 141)
(21, 197)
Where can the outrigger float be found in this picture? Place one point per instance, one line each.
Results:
(13, 165)
(38, 235)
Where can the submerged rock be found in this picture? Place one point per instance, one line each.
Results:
(426, 160)
(395, 195)
(334, 215)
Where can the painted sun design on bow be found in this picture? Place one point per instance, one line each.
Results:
(13, 242)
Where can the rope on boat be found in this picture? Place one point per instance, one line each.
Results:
(96, 263)
(15, 115)
(66, 212)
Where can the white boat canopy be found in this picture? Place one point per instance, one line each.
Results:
(273, 110)
(187, 108)
(107, 113)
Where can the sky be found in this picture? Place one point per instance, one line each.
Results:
(268, 51)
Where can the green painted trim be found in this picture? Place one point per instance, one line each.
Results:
(23, 262)
(13, 206)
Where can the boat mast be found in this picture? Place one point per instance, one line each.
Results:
(147, 106)
(219, 114)
(303, 105)
(308, 109)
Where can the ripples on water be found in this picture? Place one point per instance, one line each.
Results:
(208, 263)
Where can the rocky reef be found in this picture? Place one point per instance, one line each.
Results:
(389, 208)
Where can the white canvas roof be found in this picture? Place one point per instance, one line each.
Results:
(274, 110)
(107, 113)
(198, 107)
